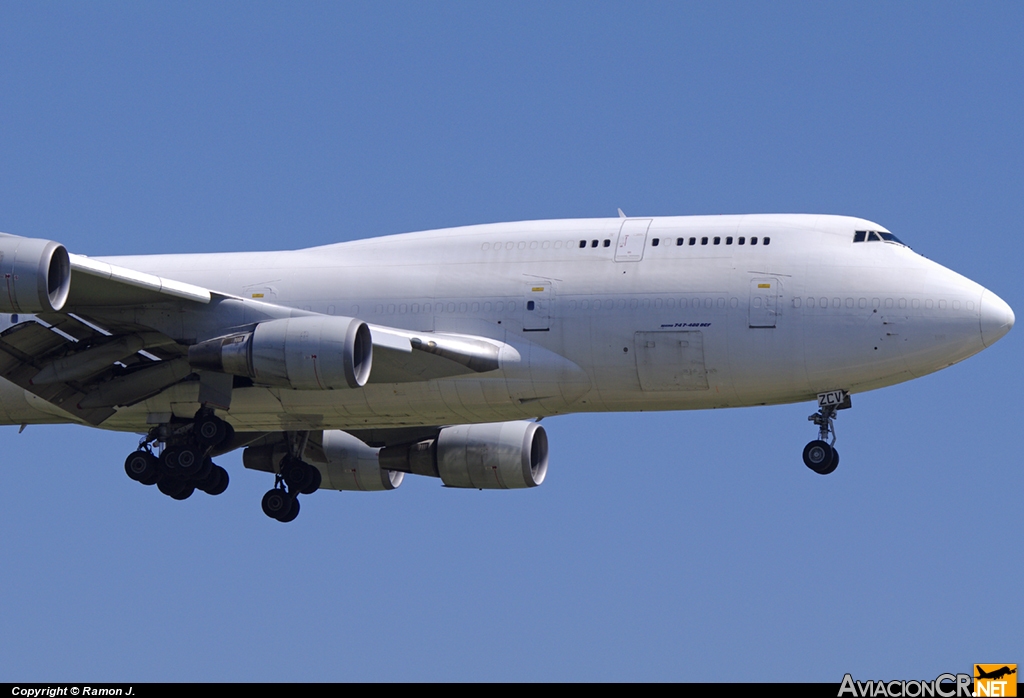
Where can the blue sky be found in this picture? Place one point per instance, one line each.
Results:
(663, 546)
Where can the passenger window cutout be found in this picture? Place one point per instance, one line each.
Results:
(693, 241)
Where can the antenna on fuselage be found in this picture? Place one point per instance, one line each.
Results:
(622, 215)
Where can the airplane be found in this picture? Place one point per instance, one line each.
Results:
(995, 674)
(437, 353)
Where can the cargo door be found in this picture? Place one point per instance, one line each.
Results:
(671, 360)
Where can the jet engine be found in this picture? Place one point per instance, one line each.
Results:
(36, 275)
(501, 456)
(352, 465)
(345, 463)
(302, 353)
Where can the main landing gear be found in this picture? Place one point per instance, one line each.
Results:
(294, 477)
(821, 455)
(184, 465)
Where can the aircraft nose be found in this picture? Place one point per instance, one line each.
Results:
(996, 318)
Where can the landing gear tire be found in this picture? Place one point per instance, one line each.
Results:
(277, 504)
(142, 466)
(185, 493)
(315, 479)
(292, 512)
(835, 462)
(215, 483)
(301, 477)
(173, 486)
(211, 431)
(204, 471)
(820, 457)
(183, 462)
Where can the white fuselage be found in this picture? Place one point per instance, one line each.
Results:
(625, 325)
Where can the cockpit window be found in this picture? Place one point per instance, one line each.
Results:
(892, 238)
(876, 236)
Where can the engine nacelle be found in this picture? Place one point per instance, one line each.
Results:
(501, 456)
(352, 465)
(302, 353)
(35, 275)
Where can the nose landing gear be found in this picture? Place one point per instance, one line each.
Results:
(821, 455)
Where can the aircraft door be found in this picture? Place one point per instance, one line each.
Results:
(538, 305)
(764, 302)
(632, 239)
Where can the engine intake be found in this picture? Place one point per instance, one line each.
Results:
(36, 275)
(303, 353)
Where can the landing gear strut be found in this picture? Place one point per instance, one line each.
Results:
(184, 465)
(821, 455)
(294, 477)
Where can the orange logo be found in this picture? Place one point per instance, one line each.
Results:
(995, 680)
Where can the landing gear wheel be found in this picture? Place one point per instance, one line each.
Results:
(211, 431)
(292, 513)
(215, 483)
(184, 493)
(835, 462)
(141, 466)
(222, 482)
(277, 503)
(315, 479)
(301, 477)
(204, 471)
(820, 457)
(172, 486)
(183, 462)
